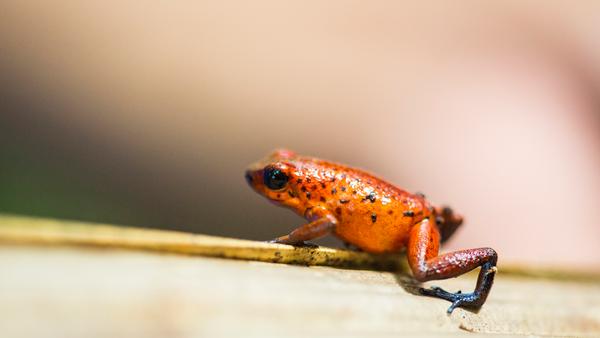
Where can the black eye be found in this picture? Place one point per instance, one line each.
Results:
(275, 179)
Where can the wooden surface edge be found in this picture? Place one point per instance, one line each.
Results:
(45, 231)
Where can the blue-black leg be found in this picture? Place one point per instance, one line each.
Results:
(474, 299)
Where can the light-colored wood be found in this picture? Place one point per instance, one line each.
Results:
(102, 290)
(21, 230)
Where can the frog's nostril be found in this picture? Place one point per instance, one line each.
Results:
(248, 177)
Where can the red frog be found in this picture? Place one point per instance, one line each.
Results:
(373, 215)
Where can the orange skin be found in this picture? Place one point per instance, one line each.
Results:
(373, 215)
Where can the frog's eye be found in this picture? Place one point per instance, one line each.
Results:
(274, 178)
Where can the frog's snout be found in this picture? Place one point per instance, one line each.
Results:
(249, 177)
(253, 178)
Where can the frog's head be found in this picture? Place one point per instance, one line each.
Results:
(273, 177)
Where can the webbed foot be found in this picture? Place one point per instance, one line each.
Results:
(458, 299)
(474, 299)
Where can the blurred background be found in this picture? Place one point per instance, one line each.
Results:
(146, 114)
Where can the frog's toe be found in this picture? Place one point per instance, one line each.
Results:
(472, 300)
(458, 299)
(438, 292)
(306, 245)
(297, 244)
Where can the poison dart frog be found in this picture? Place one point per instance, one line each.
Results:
(373, 215)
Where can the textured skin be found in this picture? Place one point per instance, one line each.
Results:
(375, 216)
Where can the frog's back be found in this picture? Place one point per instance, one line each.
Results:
(372, 214)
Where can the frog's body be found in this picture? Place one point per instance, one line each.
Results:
(371, 214)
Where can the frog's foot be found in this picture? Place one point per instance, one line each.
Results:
(447, 221)
(301, 244)
(458, 299)
(306, 245)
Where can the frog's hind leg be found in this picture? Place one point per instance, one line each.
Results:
(447, 222)
(426, 265)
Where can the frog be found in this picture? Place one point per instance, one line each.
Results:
(374, 216)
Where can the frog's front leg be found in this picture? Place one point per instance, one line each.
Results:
(426, 265)
(322, 223)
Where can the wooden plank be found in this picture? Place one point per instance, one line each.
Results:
(19, 229)
(89, 290)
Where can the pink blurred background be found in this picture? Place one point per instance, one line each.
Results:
(146, 114)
